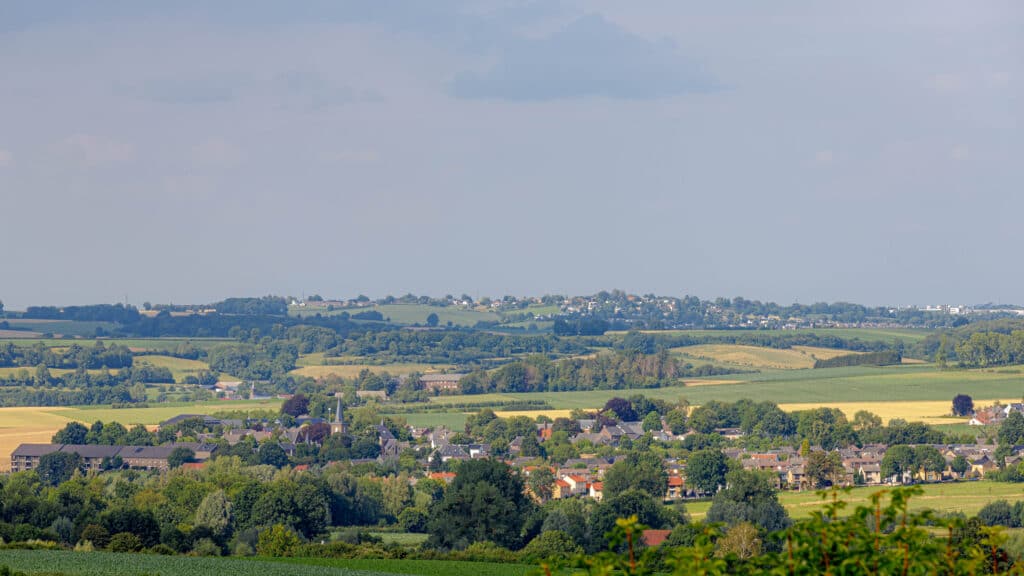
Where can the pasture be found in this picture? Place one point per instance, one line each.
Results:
(866, 334)
(966, 497)
(136, 344)
(797, 357)
(179, 367)
(407, 314)
(904, 383)
(353, 370)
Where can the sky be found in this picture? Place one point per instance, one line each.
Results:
(183, 152)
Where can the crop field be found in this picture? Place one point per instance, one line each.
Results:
(966, 497)
(353, 370)
(794, 358)
(38, 424)
(418, 567)
(111, 564)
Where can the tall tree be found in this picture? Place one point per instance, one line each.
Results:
(706, 470)
(640, 471)
(963, 405)
(749, 498)
(484, 502)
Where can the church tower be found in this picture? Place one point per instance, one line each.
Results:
(338, 426)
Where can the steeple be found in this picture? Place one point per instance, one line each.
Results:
(338, 426)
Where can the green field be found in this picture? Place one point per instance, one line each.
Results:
(410, 313)
(851, 384)
(109, 564)
(63, 327)
(142, 344)
(421, 567)
(867, 334)
(966, 497)
(179, 367)
(453, 420)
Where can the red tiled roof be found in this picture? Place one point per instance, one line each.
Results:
(675, 481)
(654, 538)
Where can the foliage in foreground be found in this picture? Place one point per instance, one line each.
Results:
(880, 538)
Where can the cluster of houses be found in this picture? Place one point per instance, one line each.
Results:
(97, 457)
(995, 414)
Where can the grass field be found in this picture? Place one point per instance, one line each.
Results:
(866, 334)
(179, 367)
(15, 370)
(966, 497)
(136, 344)
(410, 313)
(38, 424)
(794, 358)
(63, 327)
(827, 385)
(110, 564)
(353, 370)
(453, 420)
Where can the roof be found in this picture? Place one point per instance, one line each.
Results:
(154, 452)
(654, 538)
(91, 450)
(675, 481)
(35, 450)
(441, 377)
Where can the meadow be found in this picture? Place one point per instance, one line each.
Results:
(795, 358)
(179, 367)
(966, 497)
(866, 334)
(136, 344)
(409, 313)
(353, 370)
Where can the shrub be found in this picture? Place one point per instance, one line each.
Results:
(206, 547)
(125, 542)
(277, 541)
(162, 550)
(553, 543)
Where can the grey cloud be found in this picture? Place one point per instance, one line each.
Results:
(589, 57)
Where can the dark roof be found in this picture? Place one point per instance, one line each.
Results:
(91, 450)
(158, 452)
(35, 450)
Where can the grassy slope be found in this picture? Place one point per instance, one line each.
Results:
(179, 367)
(966, 497)
(410, 313)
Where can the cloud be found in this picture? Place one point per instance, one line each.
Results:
(589, 57)
(89, 150)
(6, 158)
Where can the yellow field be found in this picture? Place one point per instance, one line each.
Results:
(794, 358)
(20, 425)
(533, 413)
(928, 411)
(353, 370)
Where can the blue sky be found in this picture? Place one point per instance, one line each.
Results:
(792, 151)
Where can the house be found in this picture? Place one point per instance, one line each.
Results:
(147, 457)
(26, 456)
(561, 489)
(675, 488)
(578, 484)
(446, 477)
(93, 456)
(596, 491)
(871, 473)
(378, 395)
(449, 452)
(441, 382)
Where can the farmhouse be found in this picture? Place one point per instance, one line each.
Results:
(441, 382)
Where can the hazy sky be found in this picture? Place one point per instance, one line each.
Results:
(791, 151)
